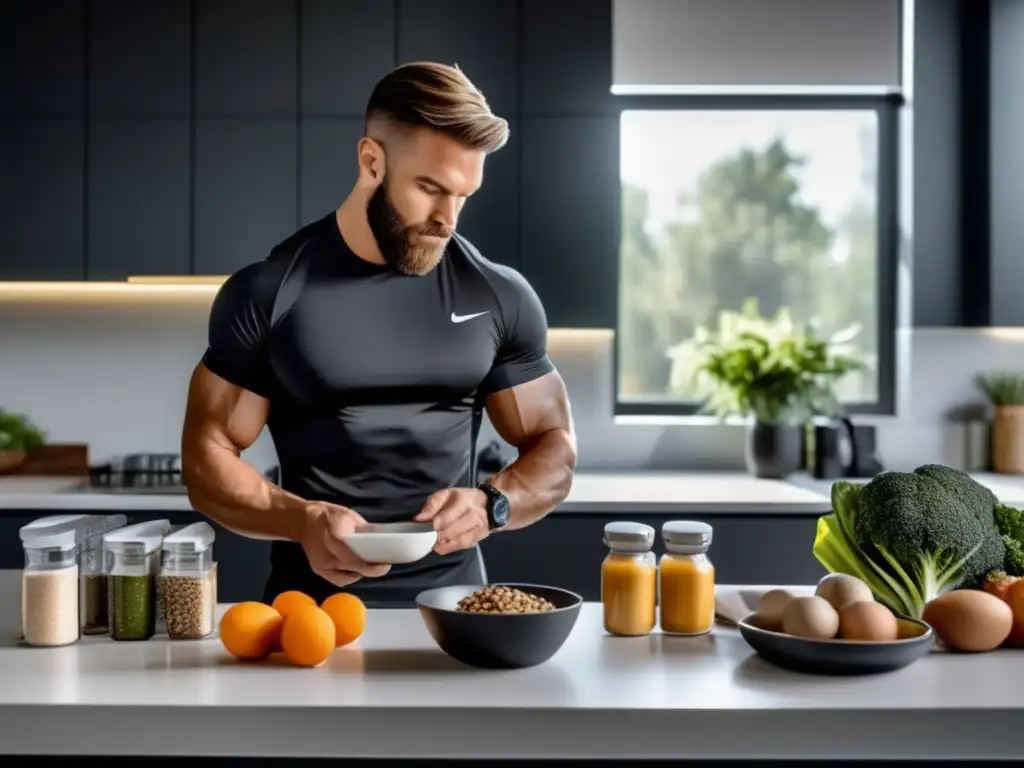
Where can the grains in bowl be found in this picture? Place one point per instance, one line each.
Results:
(499, 599)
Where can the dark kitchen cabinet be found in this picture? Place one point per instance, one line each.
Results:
(246, 58)
(42, 163)
(328, 166)
(480, 37)
(245, 191)
(491, 217)
(140, 58)
(42, 46)
(347, 45)
(139, 200)
(566, 57)
(570, 215)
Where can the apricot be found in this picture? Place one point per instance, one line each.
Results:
(348, 613)
(308, 636)
(250, 630)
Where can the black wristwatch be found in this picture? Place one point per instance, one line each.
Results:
(498, 510)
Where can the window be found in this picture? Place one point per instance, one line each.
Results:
(790, 202)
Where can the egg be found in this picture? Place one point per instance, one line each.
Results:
(867, 620)
(841, 588)
(811, 617)
(770, 608)
(969, 620)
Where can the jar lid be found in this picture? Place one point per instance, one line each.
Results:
(141, 538)
(686, 536)
(197, 537)
(57, 531)
(628, 536)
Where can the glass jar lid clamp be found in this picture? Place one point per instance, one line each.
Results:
(625, 536)
(686, 536)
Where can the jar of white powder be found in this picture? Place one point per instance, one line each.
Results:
(49, 581)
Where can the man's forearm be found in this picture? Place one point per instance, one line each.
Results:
(222, 486)
(540, 479)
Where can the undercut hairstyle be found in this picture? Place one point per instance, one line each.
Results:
(428, 94)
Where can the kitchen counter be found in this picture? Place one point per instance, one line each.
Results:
(592, 492)
(393, 694)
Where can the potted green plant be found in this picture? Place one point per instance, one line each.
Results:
(771, 371)
(1005, 393)
(18, 436)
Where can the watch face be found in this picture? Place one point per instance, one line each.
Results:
(500, 510)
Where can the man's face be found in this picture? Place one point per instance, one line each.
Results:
(414, 210)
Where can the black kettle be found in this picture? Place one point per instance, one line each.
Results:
(827, 461)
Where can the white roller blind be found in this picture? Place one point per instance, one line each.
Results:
(777, 45)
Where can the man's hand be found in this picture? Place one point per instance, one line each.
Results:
(326, 525)
(459, 516)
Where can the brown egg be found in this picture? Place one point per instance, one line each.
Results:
(969, 620)
(867, 620)
(811, 617)
(841, 588)
(770, 608)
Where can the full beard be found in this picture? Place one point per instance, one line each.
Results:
(398, 241)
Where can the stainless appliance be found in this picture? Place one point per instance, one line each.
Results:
(135, 473)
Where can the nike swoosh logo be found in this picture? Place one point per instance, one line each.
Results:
(464, 318)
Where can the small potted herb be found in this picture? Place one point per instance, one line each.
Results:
(1005, 392)
(18, 436)
(770, 371)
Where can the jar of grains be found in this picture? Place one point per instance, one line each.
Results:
(629, 579)
(49, 581)
(93, 579)
(131, 558)
(186, 585)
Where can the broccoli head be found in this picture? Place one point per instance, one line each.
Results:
(980, 501)
(921, 522)
(1009, 522)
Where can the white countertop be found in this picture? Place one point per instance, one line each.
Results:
(595, 492)
(394, 694)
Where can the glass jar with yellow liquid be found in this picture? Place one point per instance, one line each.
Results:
(686, 579)
(629, 579)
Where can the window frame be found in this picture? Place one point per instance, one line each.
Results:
(887, 107)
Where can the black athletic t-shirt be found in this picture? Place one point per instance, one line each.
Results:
(372, 378)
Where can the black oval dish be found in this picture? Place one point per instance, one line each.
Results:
(498, 641)
(838, 657)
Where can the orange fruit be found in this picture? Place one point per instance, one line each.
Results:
(286, 602)
(307, 637)
(1014, 597)
(348, 614)
(250, 630)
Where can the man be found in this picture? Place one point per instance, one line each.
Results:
(369, 343)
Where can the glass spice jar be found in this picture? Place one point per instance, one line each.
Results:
(94, 609)
(50, 608)
(187, 582)
(687, 579)
(629, 579)
(132, 561)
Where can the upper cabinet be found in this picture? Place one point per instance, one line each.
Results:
(246, 58)
(346, 46)
(139, 58)
(481, 38)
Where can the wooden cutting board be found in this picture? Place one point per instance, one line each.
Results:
(55, 459)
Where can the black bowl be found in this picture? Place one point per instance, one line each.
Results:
(838, 657)
(495, 640)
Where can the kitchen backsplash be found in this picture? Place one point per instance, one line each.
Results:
(112, 371)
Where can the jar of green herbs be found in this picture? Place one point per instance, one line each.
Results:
(132, 563)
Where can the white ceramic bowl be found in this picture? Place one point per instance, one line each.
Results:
(392, 543)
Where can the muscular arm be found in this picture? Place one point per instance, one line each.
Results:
(222, 420)
(535, 417)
